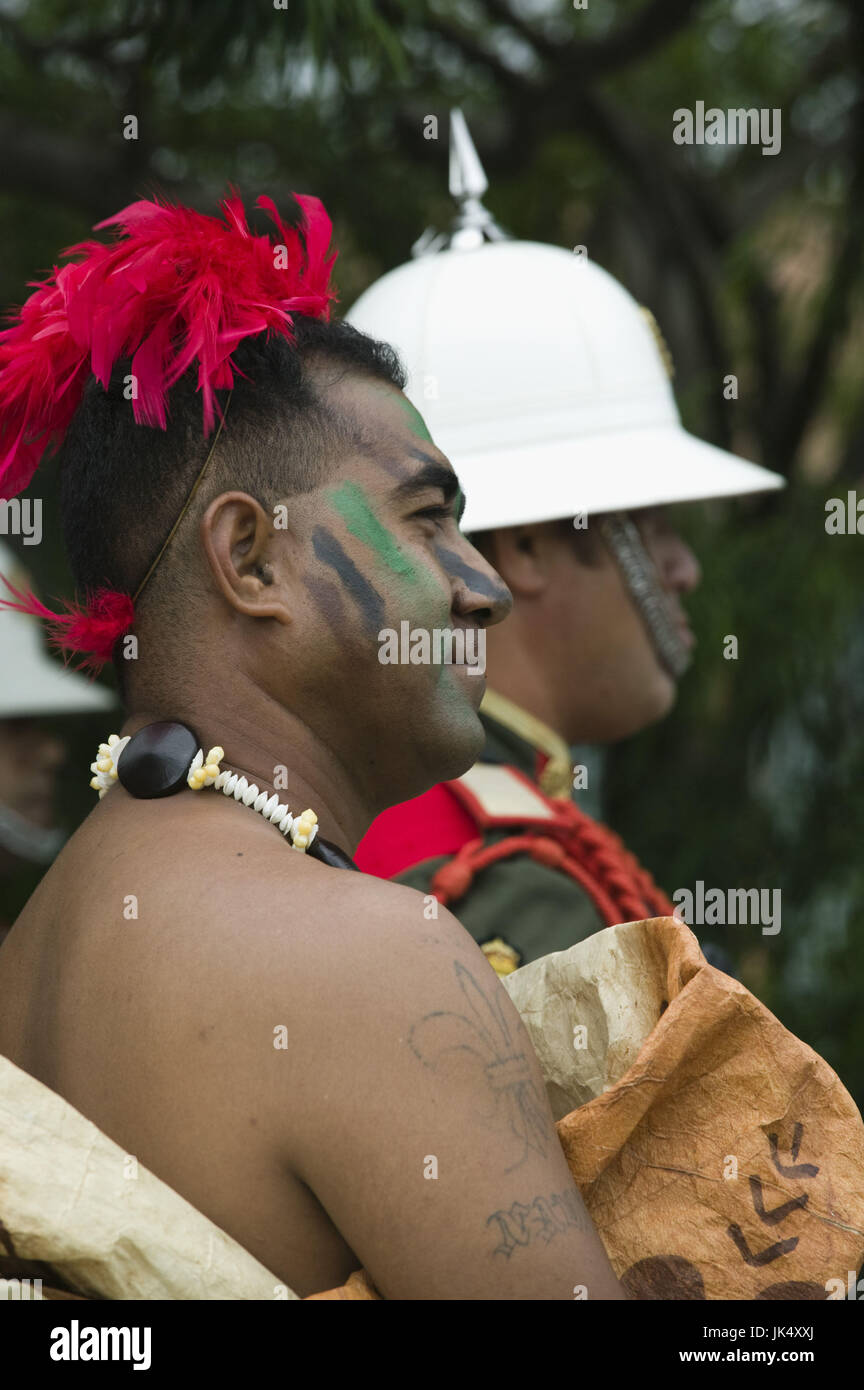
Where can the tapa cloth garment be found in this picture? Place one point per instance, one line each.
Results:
(718, 1155)
(71, 1199)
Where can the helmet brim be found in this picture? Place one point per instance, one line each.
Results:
(620, 470)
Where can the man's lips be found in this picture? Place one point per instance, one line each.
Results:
(681, 625)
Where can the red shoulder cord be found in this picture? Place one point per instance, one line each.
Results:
(587, 851)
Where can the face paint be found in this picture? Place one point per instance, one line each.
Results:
(477, 582)
(328, 598)
(415, 420)
(351, 504)
(368, 600)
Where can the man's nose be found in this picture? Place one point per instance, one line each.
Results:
(478, 589)
(678, 566)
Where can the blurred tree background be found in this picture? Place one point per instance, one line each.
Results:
(751, 263)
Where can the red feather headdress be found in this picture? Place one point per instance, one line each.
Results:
(177, 288)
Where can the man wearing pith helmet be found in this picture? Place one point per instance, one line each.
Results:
(547, 386)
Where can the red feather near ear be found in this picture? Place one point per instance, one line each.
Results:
(177, 288)
(91, 630)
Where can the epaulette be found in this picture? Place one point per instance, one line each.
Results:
(452, 821)
(496, 796)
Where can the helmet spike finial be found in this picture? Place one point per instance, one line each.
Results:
(473, 224)
(467, 176)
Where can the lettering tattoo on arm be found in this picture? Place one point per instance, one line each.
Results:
(484, 1033)
(539, 1220)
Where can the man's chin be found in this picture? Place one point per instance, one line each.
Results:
(450, 747)
(471, 742)
(657, 701)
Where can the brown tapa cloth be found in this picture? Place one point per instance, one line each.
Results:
(718, 1155)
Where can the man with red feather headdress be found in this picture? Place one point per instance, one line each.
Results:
(206, 977)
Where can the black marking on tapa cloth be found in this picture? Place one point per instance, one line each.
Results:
(478, 583)
(330, 552)
(328, 597)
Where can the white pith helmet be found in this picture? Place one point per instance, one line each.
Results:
(33, 683)
(538, 375)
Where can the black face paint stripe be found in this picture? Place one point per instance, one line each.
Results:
(328, 598)
(330, 552)
(478, 583)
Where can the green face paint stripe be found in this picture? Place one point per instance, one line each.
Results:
(353, 506)
(418, 424)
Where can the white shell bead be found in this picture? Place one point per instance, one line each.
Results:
(230, 784)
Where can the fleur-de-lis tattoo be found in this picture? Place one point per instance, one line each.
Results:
(484, 1033)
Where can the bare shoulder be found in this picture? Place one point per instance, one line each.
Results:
(360, 1026)
(366, 939)
(406, 1095)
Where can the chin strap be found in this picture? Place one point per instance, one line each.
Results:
(622, 536)
(27, 841)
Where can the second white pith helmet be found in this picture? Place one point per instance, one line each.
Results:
(538, 375)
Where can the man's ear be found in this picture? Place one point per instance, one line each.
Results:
(237, 537)
(523, 558)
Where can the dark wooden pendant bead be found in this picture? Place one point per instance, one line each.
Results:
(326, 853)
(155, 761)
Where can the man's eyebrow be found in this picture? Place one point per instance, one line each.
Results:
(432, 475)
